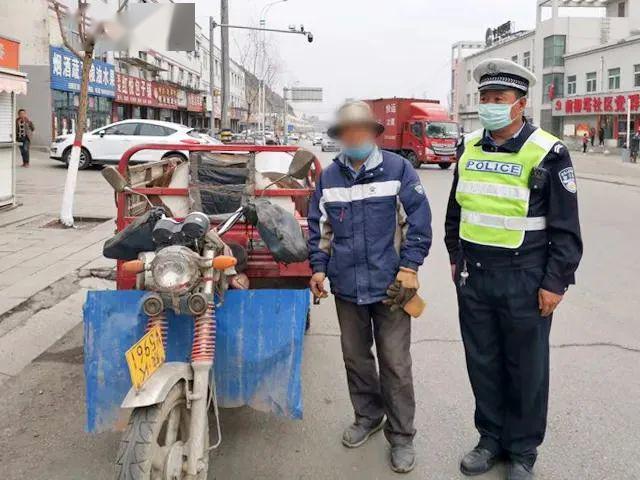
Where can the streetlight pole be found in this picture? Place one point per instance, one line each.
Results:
(212, 75)
(226, 64)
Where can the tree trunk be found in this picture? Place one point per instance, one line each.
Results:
(66, 210)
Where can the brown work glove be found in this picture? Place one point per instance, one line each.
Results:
(403, 289)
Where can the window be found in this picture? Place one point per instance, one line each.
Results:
(514, 58)
(592, 82)
(636, 75)
(122, 129)
(526, 60)
(468, 75)
(622, 10)
(571, 85)
(553, 83)
(554, 50)
(614, 78)
(416, 129)
(152, 130)
(475, 98)
(468, 99)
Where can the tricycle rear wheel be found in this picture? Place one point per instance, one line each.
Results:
(151, 447)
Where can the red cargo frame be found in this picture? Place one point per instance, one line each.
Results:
(261, 264)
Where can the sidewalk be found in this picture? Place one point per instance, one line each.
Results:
(41, 264)
(606, 168)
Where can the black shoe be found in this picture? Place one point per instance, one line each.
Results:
(357, 434)
(403, 458)
(519, 471)
(478, 461)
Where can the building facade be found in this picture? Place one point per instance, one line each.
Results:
(585, 55)
(162, 85)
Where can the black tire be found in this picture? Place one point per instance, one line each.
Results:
(174, 155)
(135, 453)
(444, 165)
(85, 158)
(413, 160)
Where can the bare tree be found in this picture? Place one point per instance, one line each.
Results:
(258, 57)
(87, 43)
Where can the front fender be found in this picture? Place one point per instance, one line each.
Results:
(156, 388)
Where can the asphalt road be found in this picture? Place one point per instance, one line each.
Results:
(594, 416)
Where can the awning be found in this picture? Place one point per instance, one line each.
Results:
(13, 82)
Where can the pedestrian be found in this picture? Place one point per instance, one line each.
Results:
(369, 232)
(601, 137)
(513, 236)
(592, 135)
(24, 129)
(585, 142)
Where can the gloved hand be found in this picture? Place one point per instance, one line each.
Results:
(403, 289)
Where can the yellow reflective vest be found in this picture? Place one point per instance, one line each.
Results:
(493, 191)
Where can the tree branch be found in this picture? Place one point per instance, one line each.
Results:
(63, 34)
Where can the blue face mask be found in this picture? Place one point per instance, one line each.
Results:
(360, 152)
(495, 116)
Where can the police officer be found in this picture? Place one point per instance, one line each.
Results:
(513, 236)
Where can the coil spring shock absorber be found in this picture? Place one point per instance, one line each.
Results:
(204, 336)
(159, 320)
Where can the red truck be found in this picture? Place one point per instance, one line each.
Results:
(419, 130)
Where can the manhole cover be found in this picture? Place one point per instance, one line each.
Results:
(81, 223)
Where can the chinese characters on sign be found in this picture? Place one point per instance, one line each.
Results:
(136, 91)
(597, 104)
(66, 73)
(165, 96)
(195, 102)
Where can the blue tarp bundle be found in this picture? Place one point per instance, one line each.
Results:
(258, 351)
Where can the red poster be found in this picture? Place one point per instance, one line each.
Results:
(134, 91)
(596, 104)
(166, 96)
(195, 102)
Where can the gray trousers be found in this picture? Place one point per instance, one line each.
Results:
(391, 392)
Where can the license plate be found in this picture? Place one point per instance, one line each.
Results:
(145, 357)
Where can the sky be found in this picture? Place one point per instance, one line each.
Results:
(370, 48)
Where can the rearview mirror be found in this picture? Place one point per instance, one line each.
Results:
(301, 164)
(101, 133)
(115, 179)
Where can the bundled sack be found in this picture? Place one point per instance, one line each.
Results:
(135, 238)
(279, 230)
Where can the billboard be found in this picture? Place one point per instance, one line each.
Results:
(66, 74)
(304, 94)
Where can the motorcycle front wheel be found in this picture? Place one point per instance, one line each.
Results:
(154, 444)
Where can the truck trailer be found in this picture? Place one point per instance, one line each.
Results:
(420, 130)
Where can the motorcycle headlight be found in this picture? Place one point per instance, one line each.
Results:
(175, 270)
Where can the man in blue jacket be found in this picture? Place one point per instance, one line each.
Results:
(369, 232)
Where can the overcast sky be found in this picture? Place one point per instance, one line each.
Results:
(372, 48)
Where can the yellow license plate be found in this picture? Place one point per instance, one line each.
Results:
(145, 357)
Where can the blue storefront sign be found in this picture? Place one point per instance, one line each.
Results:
(66, 72)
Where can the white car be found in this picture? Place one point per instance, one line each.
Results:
(317, 140)
(330, 145)
(107, 144)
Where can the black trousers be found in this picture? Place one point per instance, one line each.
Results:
(389, 393)
(24, 151)
(506, 343)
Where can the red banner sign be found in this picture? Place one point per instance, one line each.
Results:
(597, 104)
(9, 53)
(195, 102)
(135, 91)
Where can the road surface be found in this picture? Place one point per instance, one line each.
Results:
(594, 415)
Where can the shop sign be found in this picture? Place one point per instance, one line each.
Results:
(194, 102)
(134, 91)
(66, 73)
(596, 104)
(9, 53)
(182, 99)
(165, 96)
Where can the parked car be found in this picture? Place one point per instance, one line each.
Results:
(317, 140)
(106, 144)
(329, 145)
(294, 137)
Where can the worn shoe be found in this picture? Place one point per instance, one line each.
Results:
(403, 458)
(478, 461)
(357, 434)
(519, 471)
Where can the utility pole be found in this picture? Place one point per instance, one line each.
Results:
(226, 66)
(284, 116)
(212, 75)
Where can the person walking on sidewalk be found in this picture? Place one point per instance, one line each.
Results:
(585, 142)
(369, 230)
(513, 236)
(24, 129)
